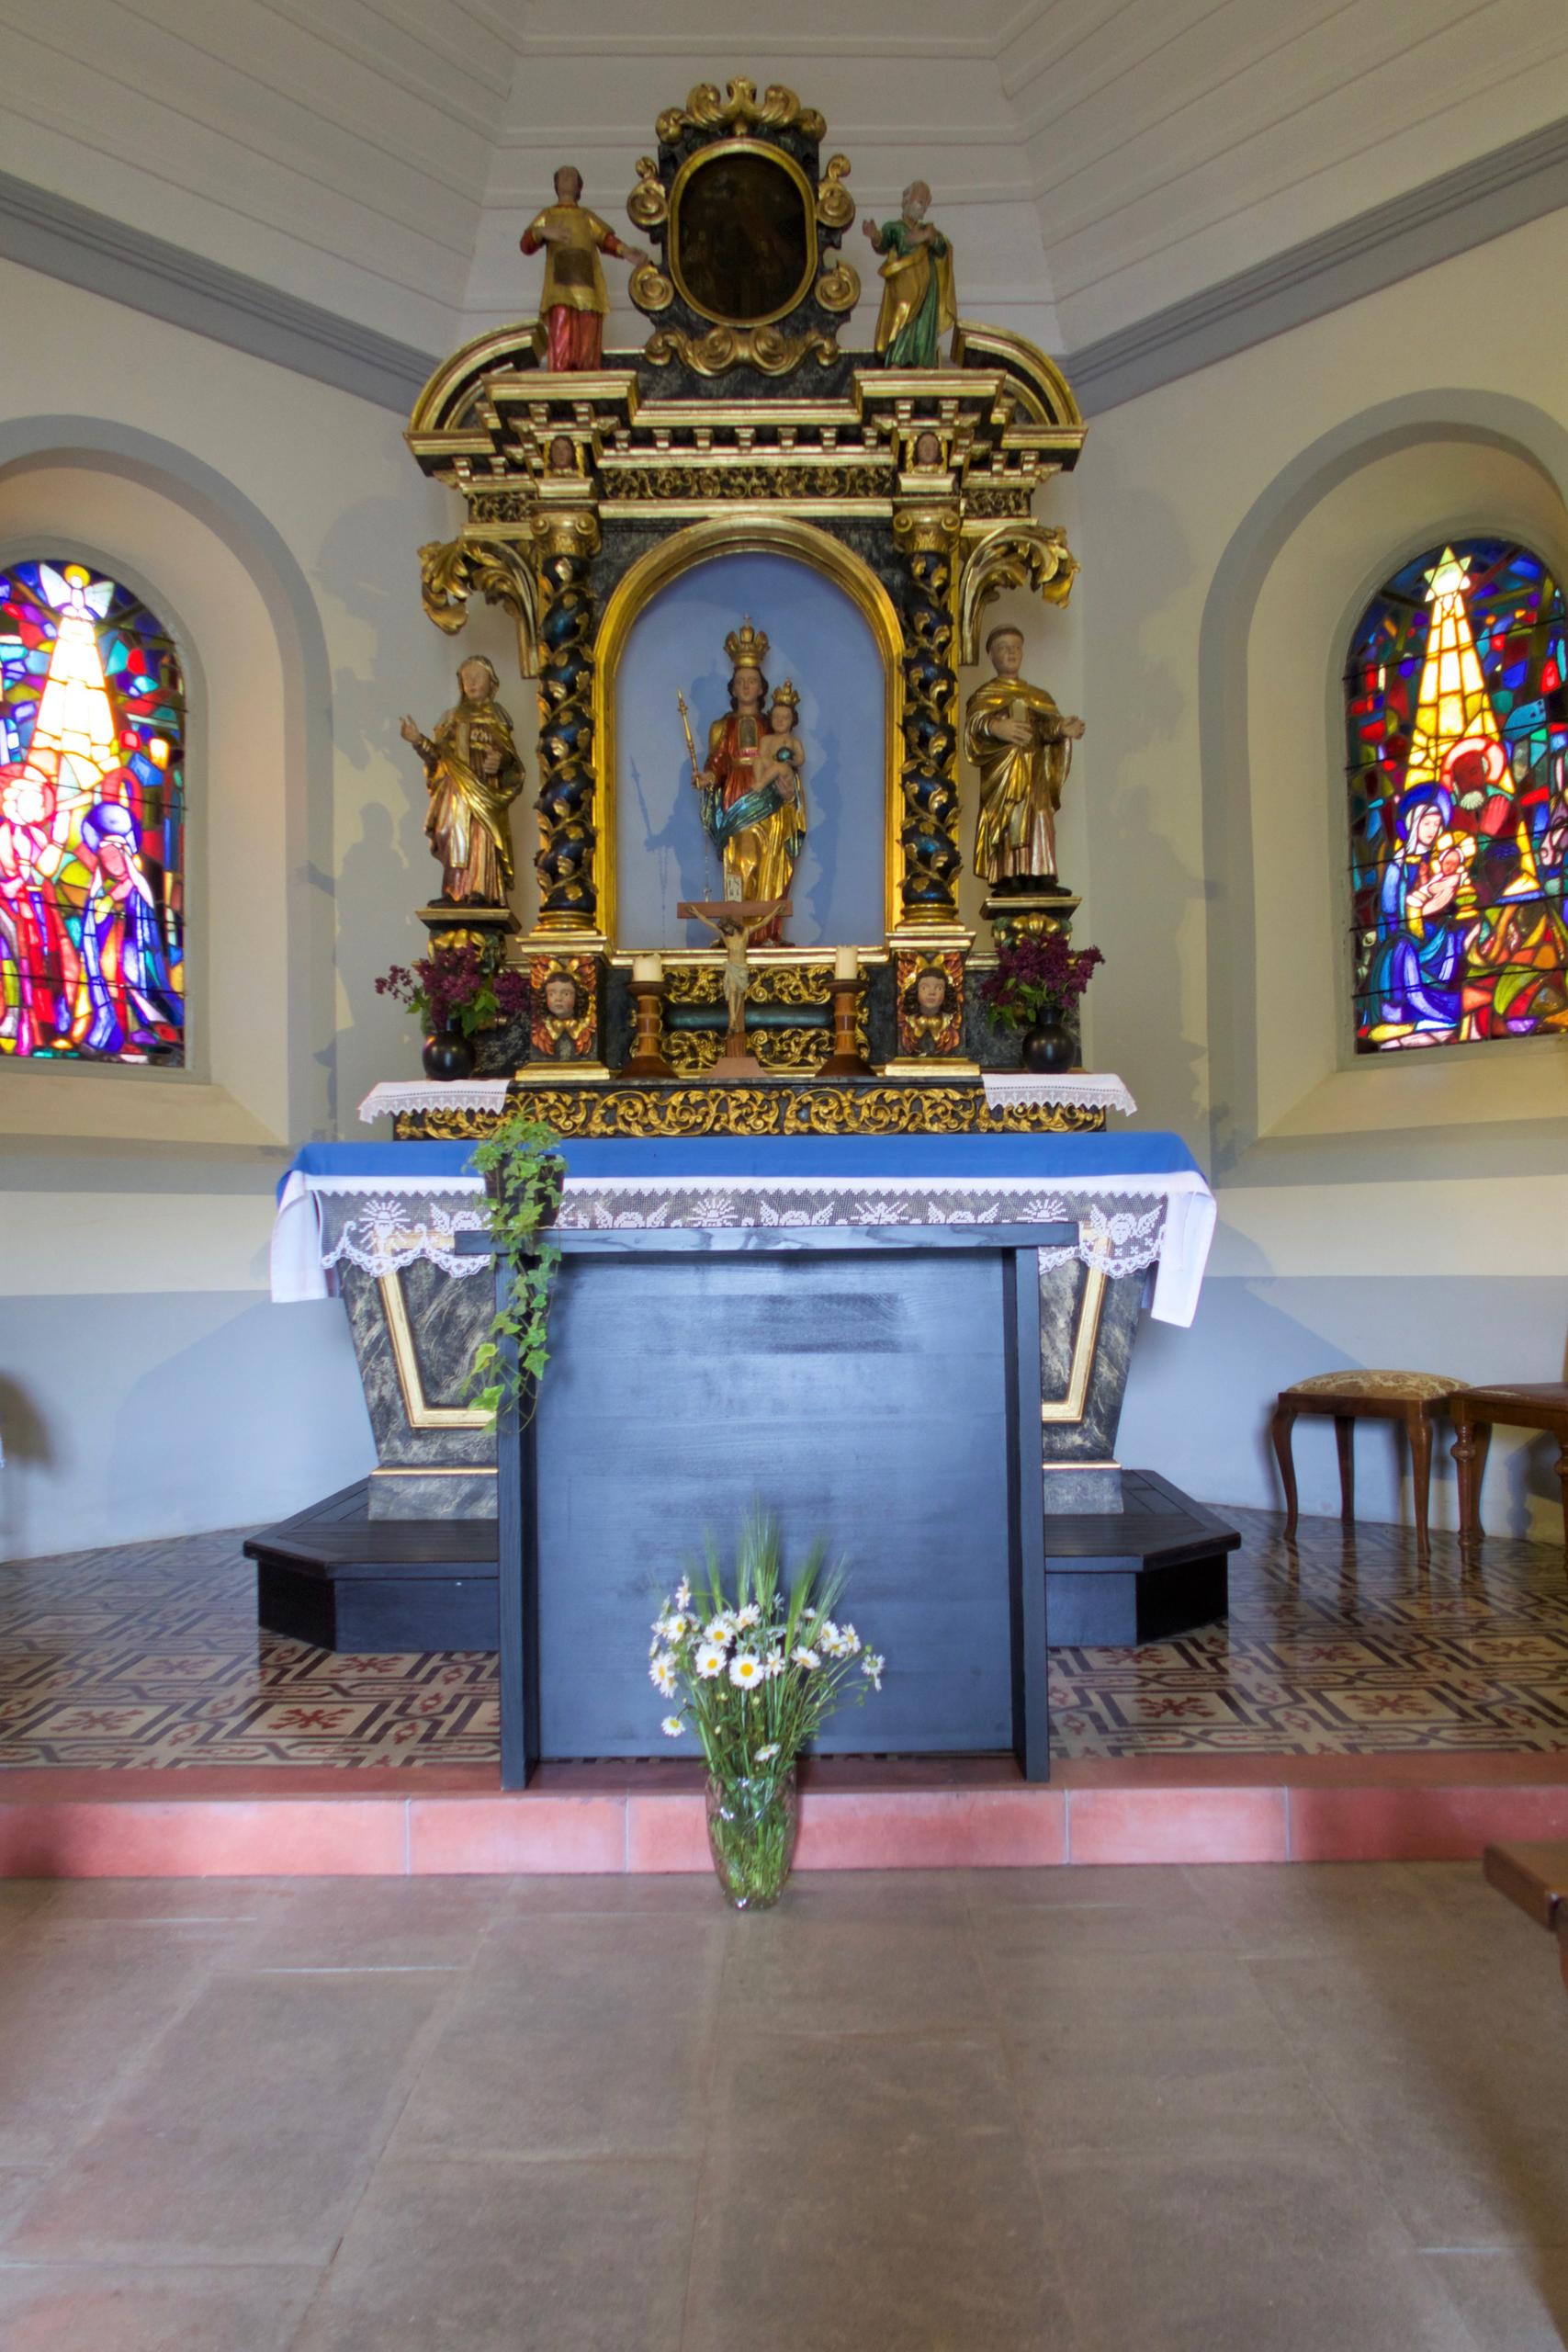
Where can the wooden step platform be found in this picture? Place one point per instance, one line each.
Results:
(1157, 1569)
(335, 1577)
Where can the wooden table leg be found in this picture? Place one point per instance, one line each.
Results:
(1562, 1474)
(1345, 1439)
(1418, 1422)
(1472, 1442)
(1280, 1429)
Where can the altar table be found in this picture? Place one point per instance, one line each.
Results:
(400, 1231)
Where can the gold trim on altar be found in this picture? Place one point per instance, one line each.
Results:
(419, 1413)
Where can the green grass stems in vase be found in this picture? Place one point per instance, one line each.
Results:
(755, 1672)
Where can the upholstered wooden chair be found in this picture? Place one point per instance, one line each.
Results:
(1411, 1397)
(1525, 1405)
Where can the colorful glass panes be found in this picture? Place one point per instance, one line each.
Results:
(1458, 736)
(91, 821)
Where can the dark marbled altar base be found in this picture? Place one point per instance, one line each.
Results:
(435, 1455)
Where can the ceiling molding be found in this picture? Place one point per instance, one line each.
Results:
(89, 249)
(1445, 216)
(1462, 209)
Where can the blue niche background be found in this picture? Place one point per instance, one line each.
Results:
(818, 637)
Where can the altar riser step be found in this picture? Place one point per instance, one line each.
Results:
(51, 1826)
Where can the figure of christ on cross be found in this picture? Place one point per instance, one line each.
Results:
(736, 922)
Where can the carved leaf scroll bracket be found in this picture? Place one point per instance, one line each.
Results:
(1019, 555)
(451, 571)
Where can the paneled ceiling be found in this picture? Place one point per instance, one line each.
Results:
(1094, 160)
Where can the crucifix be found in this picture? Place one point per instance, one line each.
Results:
(736, 922)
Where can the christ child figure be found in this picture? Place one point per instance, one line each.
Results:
(781, 756)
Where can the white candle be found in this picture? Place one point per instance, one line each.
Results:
(647, 967)
(846, 963)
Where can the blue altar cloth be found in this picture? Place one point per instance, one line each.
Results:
(1138, 1199)
(1043, 1158)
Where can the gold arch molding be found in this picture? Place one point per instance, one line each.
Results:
(746, 532)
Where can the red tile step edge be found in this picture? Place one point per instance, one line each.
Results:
(859, 1813)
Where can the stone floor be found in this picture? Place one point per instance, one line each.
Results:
(1308, 2109)
(148, 1654)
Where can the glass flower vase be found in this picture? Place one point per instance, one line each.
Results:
(752, 1831)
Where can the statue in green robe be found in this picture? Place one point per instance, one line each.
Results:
(918, 305)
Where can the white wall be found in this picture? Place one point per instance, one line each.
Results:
(146, 1384)
(1409, 1209)
(1227, 525)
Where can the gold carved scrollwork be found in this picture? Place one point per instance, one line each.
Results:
(722, 348)
(777, 109)
(1006, 499)
(750, 482)
(838, 287)
(649, 288)
(813, 1108)
(1027, 555)
(835, 205)
(451, 571)
(648, 205)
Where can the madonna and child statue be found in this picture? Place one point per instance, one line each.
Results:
(751, 785)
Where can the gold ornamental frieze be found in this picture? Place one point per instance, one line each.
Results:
(806, 1107)
(648, 485)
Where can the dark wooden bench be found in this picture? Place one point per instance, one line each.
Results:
(1536, 1878)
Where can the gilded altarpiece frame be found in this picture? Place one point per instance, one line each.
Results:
(585, 495)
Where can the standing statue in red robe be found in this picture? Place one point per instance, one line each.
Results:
(575, 302)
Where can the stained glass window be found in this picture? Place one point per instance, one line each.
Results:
(1458, 740)
(91, 821)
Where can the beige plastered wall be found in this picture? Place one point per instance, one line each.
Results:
(1229, 527)
(1408, 1208)
(146, 1382)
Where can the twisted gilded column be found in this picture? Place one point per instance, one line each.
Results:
(564, 544)
(926, 538)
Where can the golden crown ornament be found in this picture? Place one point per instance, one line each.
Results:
(747, 646)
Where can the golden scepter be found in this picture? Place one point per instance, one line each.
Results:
(691, 746)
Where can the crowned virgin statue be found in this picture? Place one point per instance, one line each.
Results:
(753, 801)
(473, 773)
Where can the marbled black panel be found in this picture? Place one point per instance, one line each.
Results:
(1092, 1439)
(449, 1317)
(432, 1494)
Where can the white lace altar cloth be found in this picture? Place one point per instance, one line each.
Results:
(434, 1094)
(1125, 1226)
(1101, 1090)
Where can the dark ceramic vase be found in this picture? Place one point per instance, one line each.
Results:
(449, 1054)
(1048, 1050)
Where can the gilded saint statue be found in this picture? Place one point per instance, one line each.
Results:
(473, 773)
(752, 787)
(919, 304)
(1022, 745)
(575, 302)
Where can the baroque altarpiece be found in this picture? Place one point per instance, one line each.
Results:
(593, 482)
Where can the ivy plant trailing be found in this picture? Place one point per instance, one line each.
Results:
(523, 1173)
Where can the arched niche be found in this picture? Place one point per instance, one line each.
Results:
(832, 630)
(1286, 594)
(258, 779)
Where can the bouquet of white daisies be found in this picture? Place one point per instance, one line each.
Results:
(754, 1674)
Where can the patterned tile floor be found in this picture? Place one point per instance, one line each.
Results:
(148, 1654)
